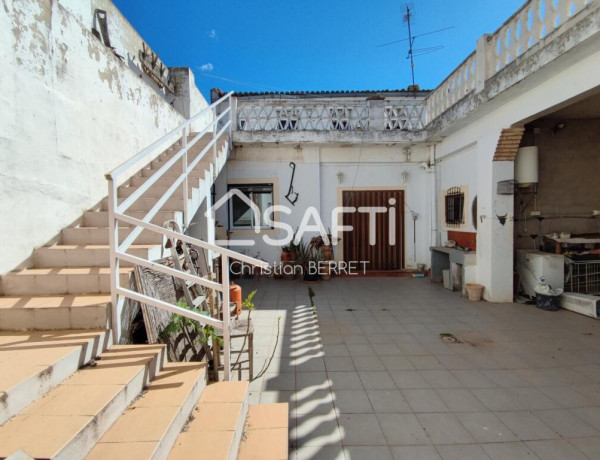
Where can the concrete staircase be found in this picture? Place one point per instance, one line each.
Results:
(68, 285)
(65, 392)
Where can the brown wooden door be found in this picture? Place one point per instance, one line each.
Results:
(382, 255)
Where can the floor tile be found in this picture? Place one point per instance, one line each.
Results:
(441, 379)
(277, 382)
(462, 452)
(311, 401)
(333, 452)
(403, 430)
(316, 430)
(360, 430)
(486, 427)
(426, 362)
(368, 453)
(388, 401)
(409, 380)
(461, 400)
(445, 429)
(566, 424)
(397, 363)
(338, 363)
(377, 380)
(345, 380)
(415, 453)
(368, 363)
(555, 450)
(424, 401)
(509, 451)
(312, 380)
(589, 446)
(526, 426)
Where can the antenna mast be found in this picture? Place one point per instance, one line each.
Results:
(407, 18)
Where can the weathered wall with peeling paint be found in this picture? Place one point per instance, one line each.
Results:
(71, 111)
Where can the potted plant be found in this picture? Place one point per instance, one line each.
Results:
(286, 253)
(308, 256)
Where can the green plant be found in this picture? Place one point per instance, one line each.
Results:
(248, 304)
(179, 324)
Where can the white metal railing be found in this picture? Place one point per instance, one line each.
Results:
(218, 127)
(535, 20)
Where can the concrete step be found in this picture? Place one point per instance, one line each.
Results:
(175, 203)
(68, 421)
(267, 433)
(192, 155)
(218, 423)
(88, 255)
(100, 218)
(99, 235)
(156, 191)
(54, 312)
(174, 171)
(165, 181)
(61, 280)
(32, 363)
(149, 428)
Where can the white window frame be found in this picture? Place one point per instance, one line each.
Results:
(243, 188)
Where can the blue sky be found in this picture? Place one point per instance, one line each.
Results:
(311, 45)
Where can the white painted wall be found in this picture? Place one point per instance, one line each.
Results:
(317, 184)
(568, 78)
(71, 111)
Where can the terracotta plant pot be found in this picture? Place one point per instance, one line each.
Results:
(235, 295)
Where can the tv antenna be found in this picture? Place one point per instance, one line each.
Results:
(413, 52)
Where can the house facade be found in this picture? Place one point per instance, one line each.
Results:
(450, 151)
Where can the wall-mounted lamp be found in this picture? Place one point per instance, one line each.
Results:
(404, 175)
(558, 127)
(340, 177)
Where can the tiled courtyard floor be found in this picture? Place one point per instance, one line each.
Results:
(368, 377)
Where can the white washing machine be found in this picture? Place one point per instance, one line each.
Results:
(533, 264)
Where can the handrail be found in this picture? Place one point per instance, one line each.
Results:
(118, 252)
(193, 241)
(159, 144)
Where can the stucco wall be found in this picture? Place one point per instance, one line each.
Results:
(568, 180)
(71, 111)
(317, 184)
(566, 78)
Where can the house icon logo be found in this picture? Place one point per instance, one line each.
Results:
(254, 209)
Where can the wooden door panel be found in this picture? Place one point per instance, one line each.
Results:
(382, 255)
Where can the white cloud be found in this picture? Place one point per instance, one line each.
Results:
(207, 67)
(213, 34)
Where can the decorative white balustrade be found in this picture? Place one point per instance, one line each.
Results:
(531, 23)
(535, 20)
(405, 117)
(385, 115)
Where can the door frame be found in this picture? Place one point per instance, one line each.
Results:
(339, 252)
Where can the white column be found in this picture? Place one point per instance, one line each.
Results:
(494, 237)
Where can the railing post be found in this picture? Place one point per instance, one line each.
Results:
(482, 64)
(226, 317)
(113, 238)
(184, 161)
(233, 113)
(215, 145)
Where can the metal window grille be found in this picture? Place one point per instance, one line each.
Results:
(455, 201)
(582, 276)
